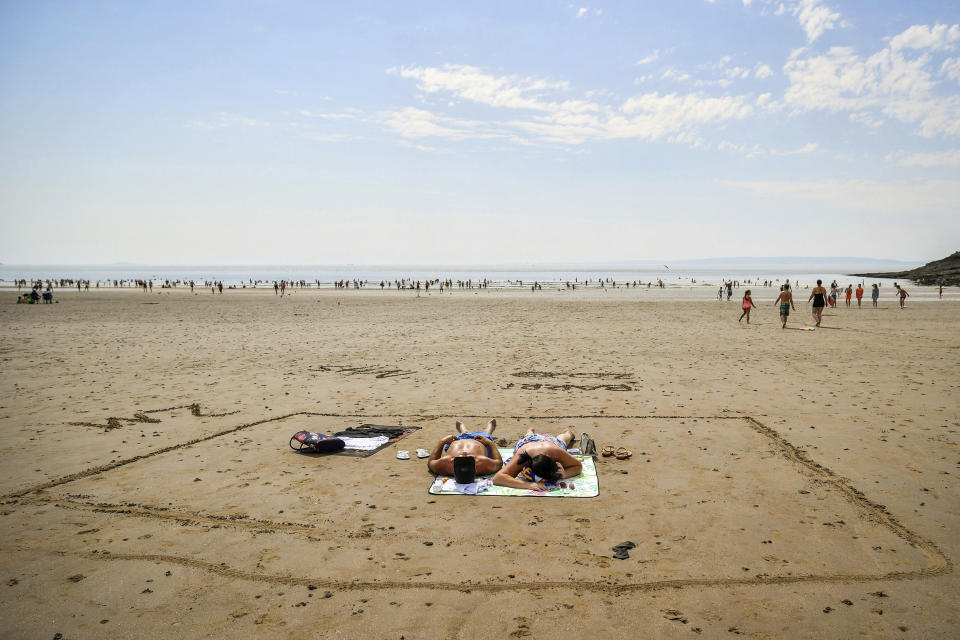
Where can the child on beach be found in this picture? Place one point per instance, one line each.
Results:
(903, 294)
(859, 294)
(746, 305)
(875, 294)
(785, 300)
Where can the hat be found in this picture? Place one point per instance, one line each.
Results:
(464, 469)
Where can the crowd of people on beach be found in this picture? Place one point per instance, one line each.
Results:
(819, 297)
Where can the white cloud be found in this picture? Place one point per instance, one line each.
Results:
(866, 118)
(528, 117)
(758, 151)
(746, 3)
(939, 37)
(815, 17)
(886, 82)
(762, 72)
(951, 68)
(471, 83)
(935, 159)
(582, 11)
(653, 57)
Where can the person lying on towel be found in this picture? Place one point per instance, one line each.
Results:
(458, 450)
(538, 459)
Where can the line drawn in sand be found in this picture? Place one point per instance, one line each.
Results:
(937, 563)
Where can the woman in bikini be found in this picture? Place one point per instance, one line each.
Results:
(539, 458)
(746, 305)
(819, 297)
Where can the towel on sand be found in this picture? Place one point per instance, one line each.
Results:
(585, 485)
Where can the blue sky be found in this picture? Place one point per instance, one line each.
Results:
(484, 132)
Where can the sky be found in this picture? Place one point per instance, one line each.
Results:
(274, 132)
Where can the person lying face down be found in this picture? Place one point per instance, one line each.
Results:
(463, 447)
(539, 458)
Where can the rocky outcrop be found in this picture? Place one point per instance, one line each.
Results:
(948, 270)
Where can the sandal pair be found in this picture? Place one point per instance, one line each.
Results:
(620, 453)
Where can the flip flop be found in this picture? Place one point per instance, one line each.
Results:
(623, 453)
(423, 453)
(403, 455)
(606, 452)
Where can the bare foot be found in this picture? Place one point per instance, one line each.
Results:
(460, 427)
(491, 425)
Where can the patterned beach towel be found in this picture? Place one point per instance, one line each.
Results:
(585, 485)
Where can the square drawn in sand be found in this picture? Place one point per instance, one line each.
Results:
(707, 500)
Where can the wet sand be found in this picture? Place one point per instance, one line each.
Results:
(782, 483)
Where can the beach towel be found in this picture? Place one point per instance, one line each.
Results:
(585, 485)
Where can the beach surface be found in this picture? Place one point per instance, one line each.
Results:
(783, 483)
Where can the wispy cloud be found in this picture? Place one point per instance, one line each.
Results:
(653, 57)
(529, 116)
(939, 37)
(886, 82)
(815, 17)
(949, 158)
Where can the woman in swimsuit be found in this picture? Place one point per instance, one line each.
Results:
(539, 458)
(747, 305)
(819, 297)
(785, 300)
(875, 294)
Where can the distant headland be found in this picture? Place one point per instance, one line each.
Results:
(946, 270)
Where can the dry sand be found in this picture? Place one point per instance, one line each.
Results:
(784, 484)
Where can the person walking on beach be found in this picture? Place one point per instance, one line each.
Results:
(785, 300)
(729, 290)
(747, 304)
(477, 445)
(539, 458)
(849, 293)
(819, 297)
(859, 294)
(875, 294)
(903, 294)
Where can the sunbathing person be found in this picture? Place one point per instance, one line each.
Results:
(466, 444)
(539, 458)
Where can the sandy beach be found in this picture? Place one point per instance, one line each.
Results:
(783, 483)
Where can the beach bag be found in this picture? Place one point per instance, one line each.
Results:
(308, 442)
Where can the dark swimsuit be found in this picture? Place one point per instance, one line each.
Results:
(818, 300)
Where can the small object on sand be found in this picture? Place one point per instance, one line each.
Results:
(403, 455)
(423, 453)
(621, 551)
(587, 446)
(623, 453)
(606, 452)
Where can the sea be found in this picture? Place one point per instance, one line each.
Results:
(327, 276)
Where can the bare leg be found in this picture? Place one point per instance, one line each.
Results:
(491, 426)
(530, 431)
(566, 436)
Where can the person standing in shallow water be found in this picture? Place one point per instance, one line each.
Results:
(819, 297)
(785, 300)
